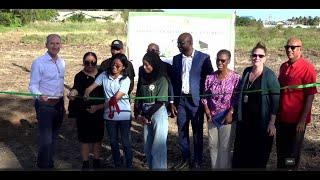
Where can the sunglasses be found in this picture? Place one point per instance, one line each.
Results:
(115, 48)
(181, 43)
(258, 55)
(155, 50)
(87, 63)
(221, 60)
(291, 47)
(117, 66)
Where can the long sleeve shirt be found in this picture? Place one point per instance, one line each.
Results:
(47, 76)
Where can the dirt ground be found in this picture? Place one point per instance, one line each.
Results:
(18, 126)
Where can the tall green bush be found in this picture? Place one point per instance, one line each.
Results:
(77, 18)
(9, 19)
(18, 17)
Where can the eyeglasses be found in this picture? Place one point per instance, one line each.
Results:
(155, 50)
(117, 66)
(291, 47)
(181, 43)
(87, 63)
(258, 55)
(221, 60)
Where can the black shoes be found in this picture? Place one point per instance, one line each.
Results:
(85, 165)
(96, 164)
(196, 166)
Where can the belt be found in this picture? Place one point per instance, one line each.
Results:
(183, 94)
(148, 104)
(52, 101)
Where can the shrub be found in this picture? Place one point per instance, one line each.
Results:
(31, 15)
(77, 18)
(19, 17)
(9, 19)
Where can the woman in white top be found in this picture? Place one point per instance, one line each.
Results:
(117, 109)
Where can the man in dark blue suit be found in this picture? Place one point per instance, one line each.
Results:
(189, 71)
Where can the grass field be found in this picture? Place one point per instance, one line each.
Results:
(20, 46)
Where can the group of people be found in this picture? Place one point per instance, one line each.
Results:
(243, 113)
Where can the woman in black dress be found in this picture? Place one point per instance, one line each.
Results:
(88, 113)
(256, 113)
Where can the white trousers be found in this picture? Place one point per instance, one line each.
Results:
(221, 145)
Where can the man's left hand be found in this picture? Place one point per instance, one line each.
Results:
(301, 126)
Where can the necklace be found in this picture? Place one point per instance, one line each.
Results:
(91, 74)
(246, 97)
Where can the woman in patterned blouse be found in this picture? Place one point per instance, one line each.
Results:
(219, 104)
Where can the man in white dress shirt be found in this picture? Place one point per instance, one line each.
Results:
(189, 71)
(47, 83)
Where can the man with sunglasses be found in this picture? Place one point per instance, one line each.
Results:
(47, 82)
(295, 104)
(189, 71)
(117, 47)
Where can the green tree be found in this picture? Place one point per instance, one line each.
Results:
(247, 21)
(13, 17)
(31, 15)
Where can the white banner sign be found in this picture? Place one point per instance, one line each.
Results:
(211, 32)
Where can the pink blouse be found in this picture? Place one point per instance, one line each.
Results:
(221, 92)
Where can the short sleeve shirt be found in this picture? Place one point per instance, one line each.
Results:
(111, 87)
(291, 100)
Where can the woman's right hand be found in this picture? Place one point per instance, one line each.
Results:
(86, 94)
(271, 129)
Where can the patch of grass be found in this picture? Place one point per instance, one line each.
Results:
(74, 33)
(73, 38)
(4, 29)
(69, 26)
(275, 38)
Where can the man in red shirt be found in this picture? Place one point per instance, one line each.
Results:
(295, 105)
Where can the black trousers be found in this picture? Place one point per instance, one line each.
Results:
(289, 143)
(252, 146)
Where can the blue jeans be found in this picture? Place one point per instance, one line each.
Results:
(49, 122)
(113, 128)
(155, 138)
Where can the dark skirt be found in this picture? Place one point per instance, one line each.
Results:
(90, 127)
(252, 146)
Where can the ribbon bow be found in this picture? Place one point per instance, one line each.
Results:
(113, 105)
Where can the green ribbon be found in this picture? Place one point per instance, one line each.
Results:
(302, 86)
